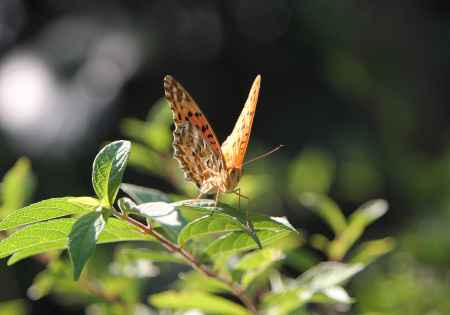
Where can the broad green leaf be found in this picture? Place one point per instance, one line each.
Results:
(83, 238)
(371, 250)
(223, 220)
(256, 263)
(47, 232)
(358, 221)
(149, 254)
(17, 186)
(107, 170)
(195, 281)
(327, 209)
(241, 241)
(16, 307)
(209, 224)
(51, 235)
(142, 194)
(48, 209)
(208, 303)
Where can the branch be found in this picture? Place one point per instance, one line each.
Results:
(174, 248)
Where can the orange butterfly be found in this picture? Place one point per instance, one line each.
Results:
(213, 168)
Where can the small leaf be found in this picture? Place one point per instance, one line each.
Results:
(165, 214)
(108, 169)
(368, 251)
(142, 194)
(202, 301)
(327, 275)
(83, 238)
(332, 295)
(359, 220)
(327, 209)
(48, 209)
(17, 186)
(241, 241)
(126, 205)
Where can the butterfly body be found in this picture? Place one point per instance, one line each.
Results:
(213, 168)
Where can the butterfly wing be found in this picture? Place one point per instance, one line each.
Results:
(195, 145)
(235, 146)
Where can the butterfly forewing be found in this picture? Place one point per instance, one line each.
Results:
(235, 146)
(195, 145)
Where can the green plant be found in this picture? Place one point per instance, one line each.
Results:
(230, 273)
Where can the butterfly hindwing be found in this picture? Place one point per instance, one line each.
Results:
(235, 146)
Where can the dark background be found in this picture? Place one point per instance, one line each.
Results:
(363, 84)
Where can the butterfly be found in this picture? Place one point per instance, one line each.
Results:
(212, 167)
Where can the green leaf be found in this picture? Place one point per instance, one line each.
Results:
(37, 234)
(318, 284)
(368, 251)
(143, 194)
(202, 301)
(228, 220)
(52, 235)
(256, 263)
(209, 224)
(83, 238)
(17, 186)
(241, 241)
(48, 209)
(327, 209)
(163, 213)
(327, 275)
(359, 220)
(108, 169)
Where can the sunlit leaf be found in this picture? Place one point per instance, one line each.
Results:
(358, 221)
(51, 235)
(17, 186)
(371, 250)
(83, 238)
(142, 194)
(108, 169)
(327, 275)
(202, 301)
(48, 209)
(241, 241)
(327, 209)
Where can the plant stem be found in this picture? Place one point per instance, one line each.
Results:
(174, 248)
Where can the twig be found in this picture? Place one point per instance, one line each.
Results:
(171, 247)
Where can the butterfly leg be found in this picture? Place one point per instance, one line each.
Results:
(217, 198)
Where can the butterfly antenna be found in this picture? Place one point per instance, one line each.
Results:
(264, 155)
